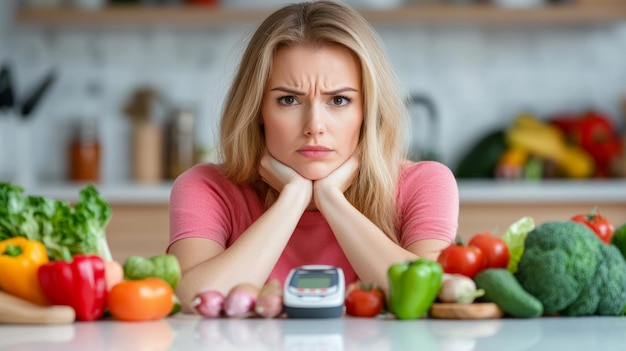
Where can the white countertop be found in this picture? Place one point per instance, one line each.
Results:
(545, 191)
(186, 332)
(470, 191)
(114, 193)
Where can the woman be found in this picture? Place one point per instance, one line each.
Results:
(313, 165)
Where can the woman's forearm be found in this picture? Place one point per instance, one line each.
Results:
(368, 249)
(251, 258)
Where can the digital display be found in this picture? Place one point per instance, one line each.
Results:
(314, 291)
(310, 281)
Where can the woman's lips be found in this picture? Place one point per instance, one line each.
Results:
(315, 151)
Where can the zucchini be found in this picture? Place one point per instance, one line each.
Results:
(502, 288)
(481, 160)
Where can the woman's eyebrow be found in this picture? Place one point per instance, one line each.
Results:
(340, 91)
(287, 90)
(331, 92)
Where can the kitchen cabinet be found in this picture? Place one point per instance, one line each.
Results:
(407, 15)
(138, 230)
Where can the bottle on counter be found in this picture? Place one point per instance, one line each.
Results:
(180, 142)
(147, 139)
(147, 135)
(84, 152)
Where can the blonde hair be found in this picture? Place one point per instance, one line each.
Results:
(381, 146)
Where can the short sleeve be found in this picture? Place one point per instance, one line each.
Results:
(428, 203)
(202, 205)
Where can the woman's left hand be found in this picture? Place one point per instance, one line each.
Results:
(340, 179)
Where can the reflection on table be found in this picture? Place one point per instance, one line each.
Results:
(186, 332)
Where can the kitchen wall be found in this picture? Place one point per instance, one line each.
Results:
(479, 78)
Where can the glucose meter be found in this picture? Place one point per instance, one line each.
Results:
(314, 291)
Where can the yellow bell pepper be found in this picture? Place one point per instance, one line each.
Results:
(20, 258)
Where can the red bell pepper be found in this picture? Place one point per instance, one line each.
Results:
(80, 284)
(596, 134)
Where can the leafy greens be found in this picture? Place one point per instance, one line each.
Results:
(514, 237)
(65, 230)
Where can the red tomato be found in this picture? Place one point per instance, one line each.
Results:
(466, 260)
(601, 226)
(141, 300)
(364, 300)
(494, 249)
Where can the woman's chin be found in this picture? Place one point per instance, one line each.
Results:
(314, 174)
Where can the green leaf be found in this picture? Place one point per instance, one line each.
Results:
(64, 230)
(514, 237)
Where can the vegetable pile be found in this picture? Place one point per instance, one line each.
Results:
(568, 268)
(57, 266)
(574, 267)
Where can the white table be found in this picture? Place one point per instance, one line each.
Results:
(185, 332)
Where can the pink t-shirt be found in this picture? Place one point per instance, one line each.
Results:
(204, 204)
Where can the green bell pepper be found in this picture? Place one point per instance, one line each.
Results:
(164, 266)
(413, 287)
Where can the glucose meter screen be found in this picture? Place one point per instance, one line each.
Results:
(314, 281)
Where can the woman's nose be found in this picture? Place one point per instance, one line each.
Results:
(314, 124)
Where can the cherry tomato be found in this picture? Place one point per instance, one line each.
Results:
(364, 300)
(494, 249)
(466, 260)
(141, 300)
(601, 226)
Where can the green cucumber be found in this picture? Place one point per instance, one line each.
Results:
(619, 239)
(482, 158)
(502, 288)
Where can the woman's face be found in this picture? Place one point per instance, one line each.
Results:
(313, 108)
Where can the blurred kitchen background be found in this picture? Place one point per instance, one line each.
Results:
(115, 79)
(128, 94)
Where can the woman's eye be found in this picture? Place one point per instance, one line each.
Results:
(340, 100)
(288, 100)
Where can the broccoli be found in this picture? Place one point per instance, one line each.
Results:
(572, 272)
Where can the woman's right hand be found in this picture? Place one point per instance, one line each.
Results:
(277, 175)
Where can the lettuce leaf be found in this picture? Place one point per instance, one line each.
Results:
(65, 230)
(514, 237)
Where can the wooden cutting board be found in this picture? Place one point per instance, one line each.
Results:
(476, 310)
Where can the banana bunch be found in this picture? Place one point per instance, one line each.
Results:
(546, 141)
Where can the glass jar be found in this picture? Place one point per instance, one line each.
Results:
(85, 152)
